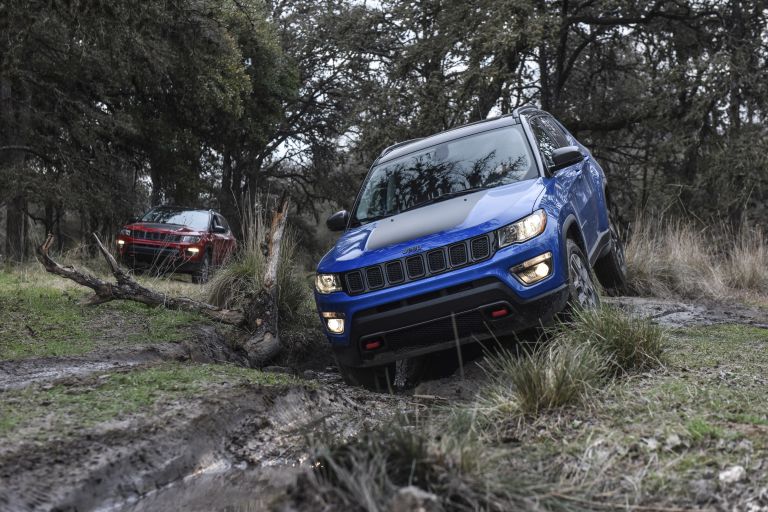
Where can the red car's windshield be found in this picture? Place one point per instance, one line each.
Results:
(194, 219)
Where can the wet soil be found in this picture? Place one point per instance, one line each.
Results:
(235, 447)
(205, 345)
(673, 313)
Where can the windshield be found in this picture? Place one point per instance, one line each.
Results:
(484, 160)
(195, 219)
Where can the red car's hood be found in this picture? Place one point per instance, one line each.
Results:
(163, 228)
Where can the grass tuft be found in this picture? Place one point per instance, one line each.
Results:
(554, 375)
(681, 259)
(627, 343)
(233, 284)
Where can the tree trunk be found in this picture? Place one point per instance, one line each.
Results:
(17, 229)
(261, 313)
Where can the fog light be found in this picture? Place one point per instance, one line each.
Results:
(193, 250)
(334, 322)
(534, 270)
(121, 243)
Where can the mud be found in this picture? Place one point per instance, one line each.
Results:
(674, 314)
(238, 433)
(205, 346)
(234, 447)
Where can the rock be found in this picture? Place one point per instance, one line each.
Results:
(413, 499)
(732, 475)
(652, 443)
(703, 491)
(673, 442)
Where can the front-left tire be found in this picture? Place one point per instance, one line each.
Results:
(203, 272)
(611, 269)
(582, 291)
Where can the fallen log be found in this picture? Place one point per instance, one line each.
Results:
(127, 288)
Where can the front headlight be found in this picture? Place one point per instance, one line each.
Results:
(190, 239)
(522, 230)
(327, 283)
(125, 232)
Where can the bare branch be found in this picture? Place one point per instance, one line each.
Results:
(128, 289)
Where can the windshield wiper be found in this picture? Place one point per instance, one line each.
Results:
(444, 197)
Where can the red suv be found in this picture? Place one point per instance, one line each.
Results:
(177, 239)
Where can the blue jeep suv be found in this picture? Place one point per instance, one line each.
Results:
(473, 233)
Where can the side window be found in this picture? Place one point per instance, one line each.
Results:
(549, 137)
(219, 222)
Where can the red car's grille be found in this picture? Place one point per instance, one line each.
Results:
(155, 235)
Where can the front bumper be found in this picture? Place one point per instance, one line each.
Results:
(174, 257)
(435, 313)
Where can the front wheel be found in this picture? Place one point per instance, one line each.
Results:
(611, 269)
(375, 378)
(203, 273)
(581, 285)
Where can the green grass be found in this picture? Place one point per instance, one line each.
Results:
(112, 396)
(40, 318)
(641, 440)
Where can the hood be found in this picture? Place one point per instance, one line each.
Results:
(161, 227)
(432, 226)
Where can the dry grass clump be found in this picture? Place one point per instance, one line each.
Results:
(666, 258)
(578, 357)
(626, 342)
(242, 276)
(554, 375)
(746, 267)
(677, 258)
(371, 471)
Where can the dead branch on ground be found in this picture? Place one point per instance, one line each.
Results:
(127, 288)
(259, 318)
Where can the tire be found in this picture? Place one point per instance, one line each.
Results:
(582, 292)
(611, 269)
(203, 273)
(375, 378)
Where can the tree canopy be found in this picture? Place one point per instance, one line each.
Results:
(108, 107)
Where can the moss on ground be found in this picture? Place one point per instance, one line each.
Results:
(38, 410)
(39, 318)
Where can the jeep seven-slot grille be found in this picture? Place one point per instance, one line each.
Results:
(418, 266)
(375, 277)
(355, 282)
(154, 235)
(395, 272)
(415, 267)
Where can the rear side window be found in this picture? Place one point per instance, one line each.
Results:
(549, 137)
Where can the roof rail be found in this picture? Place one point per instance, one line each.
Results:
(524, 109)
(397, 145)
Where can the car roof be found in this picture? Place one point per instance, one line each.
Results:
(182, 208)
(406, 147)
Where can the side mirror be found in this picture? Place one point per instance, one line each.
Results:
(133, 220)
(338, 221)
(219, 229)
(564, 157)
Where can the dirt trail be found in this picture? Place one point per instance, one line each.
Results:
(236, 446)
(207, 346)
(674, 313)
(251, 431)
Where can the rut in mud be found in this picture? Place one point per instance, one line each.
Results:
(236, 445)
(206, 345)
